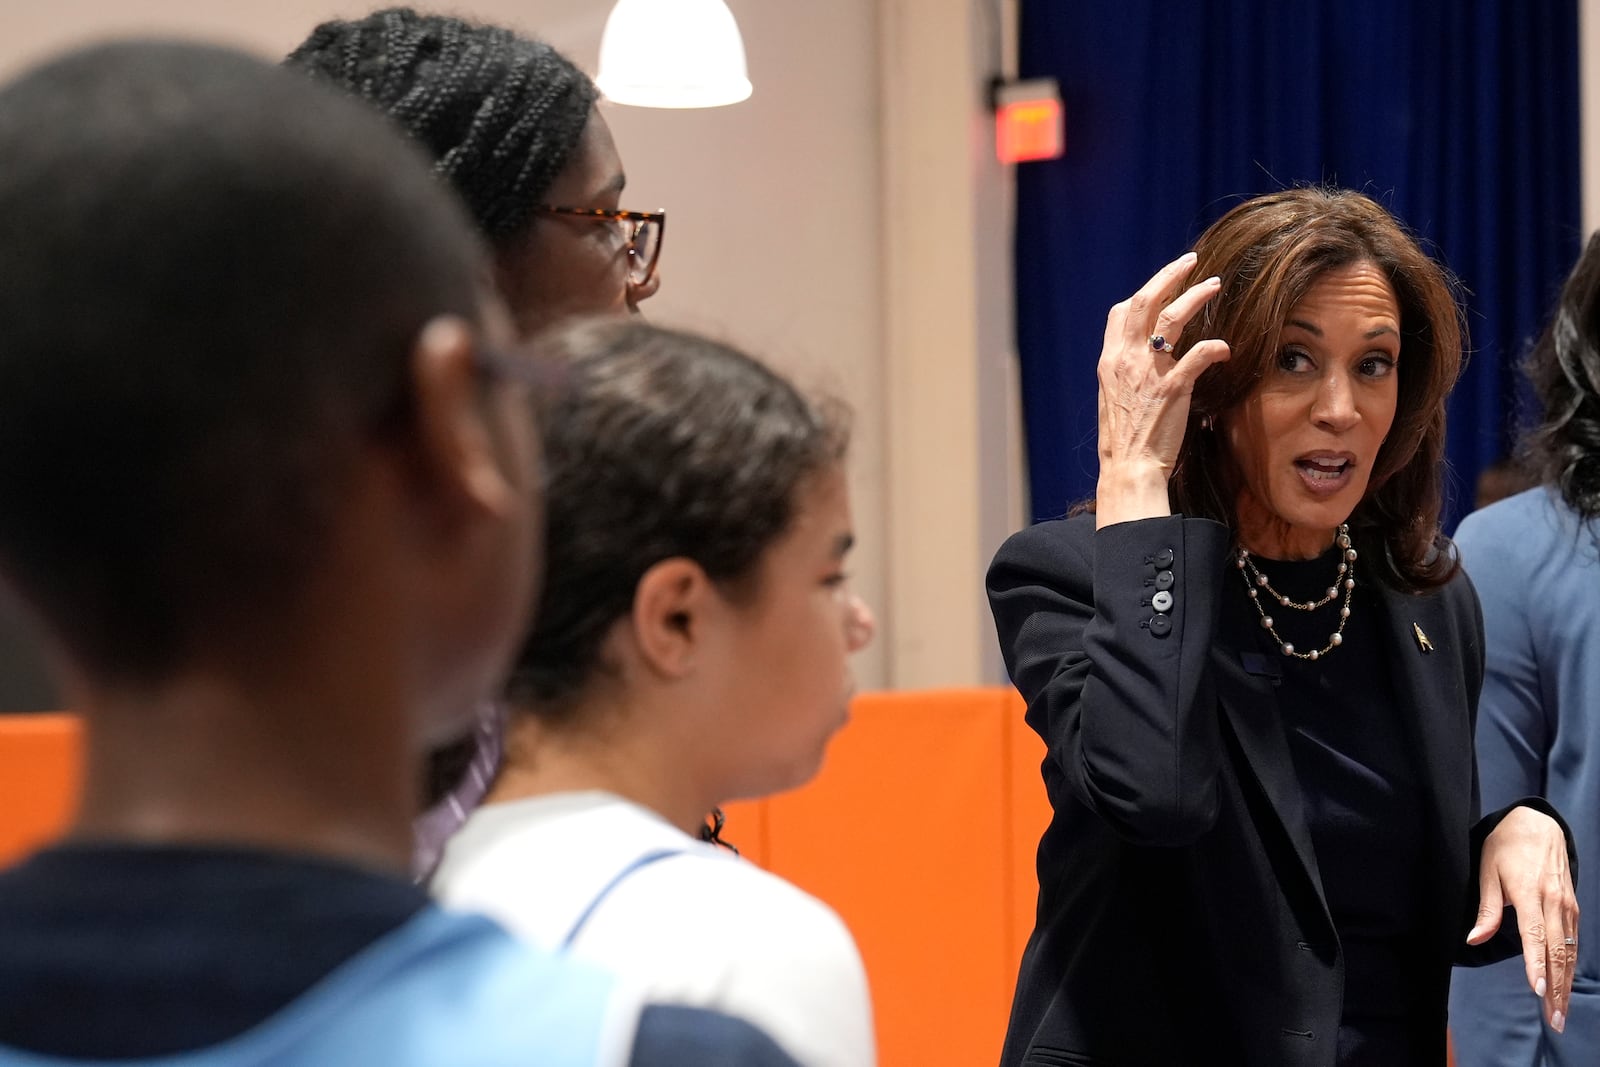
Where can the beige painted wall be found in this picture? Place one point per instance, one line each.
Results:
(953, 493)
(868, 257)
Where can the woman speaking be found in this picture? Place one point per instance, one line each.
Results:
(1256, 663)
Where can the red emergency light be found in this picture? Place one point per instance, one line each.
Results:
(1029, 123)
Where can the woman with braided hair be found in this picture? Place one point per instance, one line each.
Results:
(693, 635)
(512, 125)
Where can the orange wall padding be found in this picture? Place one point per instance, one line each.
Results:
(41, 758)
(920, 832)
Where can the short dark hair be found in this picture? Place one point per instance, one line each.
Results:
(212, 274)
(1269, 252)
(661, 444)
(1564, 366)
(500, 113)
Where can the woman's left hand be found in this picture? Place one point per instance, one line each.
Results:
(1524, 866)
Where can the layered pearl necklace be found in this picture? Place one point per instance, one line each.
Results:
(1255, 582)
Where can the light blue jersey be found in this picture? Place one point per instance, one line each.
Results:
(443, 989)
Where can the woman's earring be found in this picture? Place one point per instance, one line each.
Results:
(1205, 422)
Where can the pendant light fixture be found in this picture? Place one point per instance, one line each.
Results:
(672, 53)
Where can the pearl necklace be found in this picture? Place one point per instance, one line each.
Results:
(1255, 581)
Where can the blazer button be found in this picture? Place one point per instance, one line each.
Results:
(1161, 625)
(1162, 601)
(1163, 559)
(1164, 580)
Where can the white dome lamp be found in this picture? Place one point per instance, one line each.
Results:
(672, 53)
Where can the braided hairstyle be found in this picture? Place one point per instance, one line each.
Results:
(499, 113)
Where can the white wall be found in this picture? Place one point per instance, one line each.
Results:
(847, 222)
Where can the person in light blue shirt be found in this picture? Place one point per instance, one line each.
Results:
(1535, 559)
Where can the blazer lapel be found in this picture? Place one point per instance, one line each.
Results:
(1426, 652)
(1250, 706)
(1426, 659)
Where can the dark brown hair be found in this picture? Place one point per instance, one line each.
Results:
(1564, 449)
(660, 444)
(1269, 252)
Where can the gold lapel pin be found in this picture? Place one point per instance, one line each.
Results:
(1422, 638)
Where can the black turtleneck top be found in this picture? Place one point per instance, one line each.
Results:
(1362, 796)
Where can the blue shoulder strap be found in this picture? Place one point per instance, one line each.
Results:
(643, 861)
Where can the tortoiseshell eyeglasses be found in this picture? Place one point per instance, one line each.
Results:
(639, 231)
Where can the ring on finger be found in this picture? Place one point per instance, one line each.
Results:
(1569, 941)
(1161, 344)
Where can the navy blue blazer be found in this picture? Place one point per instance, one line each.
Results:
(1180, 916)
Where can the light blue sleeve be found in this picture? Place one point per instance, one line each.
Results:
(1500, 552)
(1495, 1020)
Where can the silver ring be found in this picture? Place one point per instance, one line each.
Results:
(1570, 941)
(1161, 344)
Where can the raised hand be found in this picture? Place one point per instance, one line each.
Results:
(1145, 391)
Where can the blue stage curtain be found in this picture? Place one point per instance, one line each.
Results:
(1461, 116)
